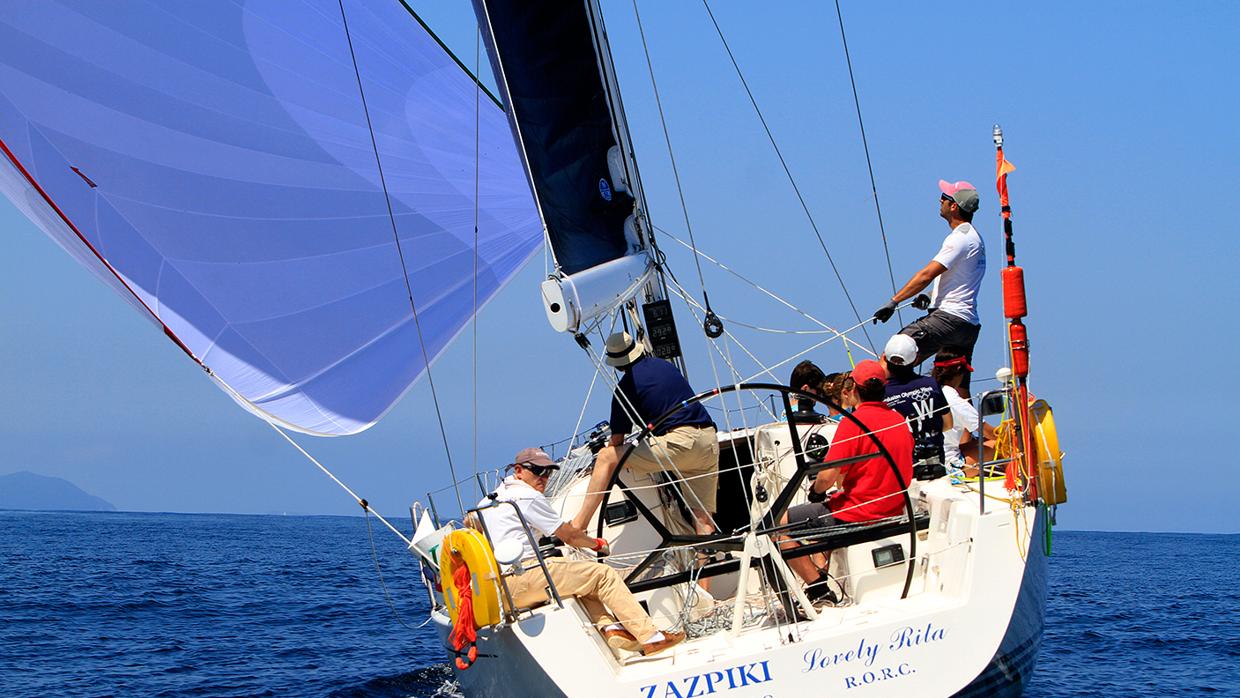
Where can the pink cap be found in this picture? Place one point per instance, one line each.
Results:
(950, 188)
(963, 193)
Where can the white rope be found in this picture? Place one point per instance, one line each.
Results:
(266, 419)
(816, 346)
(680, 292)
(826, 328)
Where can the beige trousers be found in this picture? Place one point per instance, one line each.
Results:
(694, 451)
(598, 588)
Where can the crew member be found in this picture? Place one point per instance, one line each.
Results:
(808, 378)
(599, 588)
(957, 272)
(868, 489)
(684, 444)
(922, 402)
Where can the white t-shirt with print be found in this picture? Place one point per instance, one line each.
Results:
(502, 522)
(955, 291)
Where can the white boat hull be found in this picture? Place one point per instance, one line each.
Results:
(972, 626)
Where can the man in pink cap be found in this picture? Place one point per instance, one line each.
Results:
(956, 272)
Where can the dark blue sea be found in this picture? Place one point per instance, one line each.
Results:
(98, 604)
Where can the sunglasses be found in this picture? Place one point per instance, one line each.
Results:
(948, 199)
(537, 470)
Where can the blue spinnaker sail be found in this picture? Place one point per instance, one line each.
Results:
(213, 162)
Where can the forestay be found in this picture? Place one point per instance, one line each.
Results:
(213, 162)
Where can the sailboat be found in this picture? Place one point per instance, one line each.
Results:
(312, 202)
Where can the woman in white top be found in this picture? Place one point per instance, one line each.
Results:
(950, 369)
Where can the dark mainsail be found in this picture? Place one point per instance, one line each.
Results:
(547, 66)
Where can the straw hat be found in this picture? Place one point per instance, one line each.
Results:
(622, 350)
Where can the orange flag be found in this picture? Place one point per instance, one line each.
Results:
(1003, 167)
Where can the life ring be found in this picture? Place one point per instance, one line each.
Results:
(469, 548)
(1051, 484)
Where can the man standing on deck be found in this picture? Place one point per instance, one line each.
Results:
(957, 272)
(684, 445)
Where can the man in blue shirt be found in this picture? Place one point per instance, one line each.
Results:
(684, 445)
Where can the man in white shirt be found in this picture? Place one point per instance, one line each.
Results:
(599, 588)
(957, 272)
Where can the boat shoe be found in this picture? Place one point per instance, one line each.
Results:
(670, 639)
(621, 639)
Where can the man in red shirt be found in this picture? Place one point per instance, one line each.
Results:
(869, 489)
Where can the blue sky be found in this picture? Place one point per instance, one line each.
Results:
(1119, 116)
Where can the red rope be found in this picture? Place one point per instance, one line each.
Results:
(464, 631)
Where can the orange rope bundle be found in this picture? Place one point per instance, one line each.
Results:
(464, 632)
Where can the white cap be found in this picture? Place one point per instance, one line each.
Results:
(901, 350)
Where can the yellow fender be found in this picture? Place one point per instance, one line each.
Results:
(1051, 484)
(475, 552)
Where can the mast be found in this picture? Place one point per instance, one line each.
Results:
(1015, 308)
(555, 73)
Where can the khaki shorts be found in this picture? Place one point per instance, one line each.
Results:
(694, 451)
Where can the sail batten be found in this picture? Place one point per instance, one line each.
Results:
(225, 170)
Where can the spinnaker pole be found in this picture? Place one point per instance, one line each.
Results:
(1015, 308)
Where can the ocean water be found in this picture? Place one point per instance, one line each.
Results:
(214, 605)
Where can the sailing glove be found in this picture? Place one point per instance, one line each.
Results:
(921, 302)
(814, 496)
(884, 313)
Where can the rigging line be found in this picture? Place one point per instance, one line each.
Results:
(374, 554)
(680, 292)
(443, 432)
(472, 75)
(750, 282)
(683, 295)
(581, 416)
(791, 180)
(847, 340)
(328, 473)
(268, 420)
(760, 328)
(477, 166)
(882, 230)
(836, 334)
(667, 138)
(806, 351)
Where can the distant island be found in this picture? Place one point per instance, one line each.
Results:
(26, 490)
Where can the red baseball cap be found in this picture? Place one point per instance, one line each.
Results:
(868, 370)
